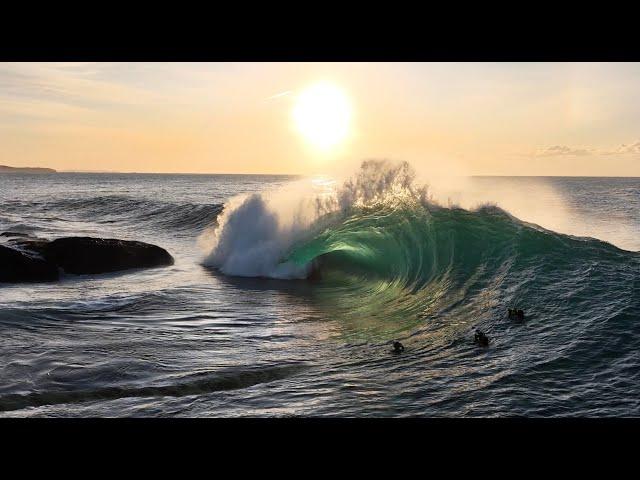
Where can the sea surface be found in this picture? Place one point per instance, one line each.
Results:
(284, 300)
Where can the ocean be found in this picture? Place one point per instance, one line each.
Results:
(287, 294)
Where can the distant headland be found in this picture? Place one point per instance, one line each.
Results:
(7, 169)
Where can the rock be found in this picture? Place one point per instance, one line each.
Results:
(85, 255)
(31, 259)
(17, 266)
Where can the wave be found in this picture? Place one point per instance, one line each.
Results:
(194, 384)
(129, 210)
(380, 245)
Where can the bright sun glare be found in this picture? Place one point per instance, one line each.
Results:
(322, 115)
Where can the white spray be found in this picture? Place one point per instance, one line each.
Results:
(256, 232)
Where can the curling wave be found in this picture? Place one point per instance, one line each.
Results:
(379, 245)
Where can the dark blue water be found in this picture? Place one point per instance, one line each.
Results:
(197, 339)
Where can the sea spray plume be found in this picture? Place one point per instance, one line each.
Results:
(250, 239)
(380, 181)
(256, 232)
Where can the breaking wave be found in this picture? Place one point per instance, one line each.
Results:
(378, 243)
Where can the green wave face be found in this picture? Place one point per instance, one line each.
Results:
(387, 268)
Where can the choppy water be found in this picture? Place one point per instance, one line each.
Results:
(211, 336)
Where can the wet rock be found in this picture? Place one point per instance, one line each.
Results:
(32, 259)
(85, 255)
(17, 266)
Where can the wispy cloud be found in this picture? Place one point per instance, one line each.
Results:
(66, 88)
(279, 95)
(633, 148)
(562, 150)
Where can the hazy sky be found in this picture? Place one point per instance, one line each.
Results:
(467, 118)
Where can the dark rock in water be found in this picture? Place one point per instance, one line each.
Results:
(16, 266)
(83, 255)
(32, 259)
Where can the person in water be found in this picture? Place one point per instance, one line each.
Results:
(481, 339)
(516, 313)
(398, 347)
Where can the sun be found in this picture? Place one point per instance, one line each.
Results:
(322, 115)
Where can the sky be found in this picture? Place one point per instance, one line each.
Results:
(446, 118)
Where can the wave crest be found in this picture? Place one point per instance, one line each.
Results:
(256, 233)
(382, 247)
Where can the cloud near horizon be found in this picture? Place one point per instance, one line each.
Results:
(624, 149)
(558, 150)
(564, 150)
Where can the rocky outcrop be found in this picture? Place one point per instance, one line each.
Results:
(29, 259)
(17, 266)
(82, 255)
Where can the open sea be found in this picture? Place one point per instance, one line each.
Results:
(287, 294)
